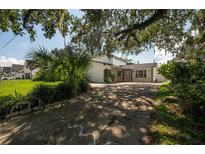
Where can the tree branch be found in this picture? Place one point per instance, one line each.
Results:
(159, 14)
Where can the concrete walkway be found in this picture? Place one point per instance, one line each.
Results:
(108, 114)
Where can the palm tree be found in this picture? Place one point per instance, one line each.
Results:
(60, 64)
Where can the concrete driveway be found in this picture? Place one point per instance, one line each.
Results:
(107, 114)
(101, 85)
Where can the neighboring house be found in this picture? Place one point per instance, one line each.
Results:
(117, 69)
(29, 70)
(7, 73)
(12, 73)
(1, 70)
(26, 71)
(1, 73)
(17, 71)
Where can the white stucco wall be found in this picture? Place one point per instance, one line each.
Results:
(158, 77)
(26, 70)
(96, 71)
(18, 75)
(137, 67)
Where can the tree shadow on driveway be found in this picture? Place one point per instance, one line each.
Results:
(108, 115)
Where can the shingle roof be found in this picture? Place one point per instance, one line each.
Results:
(16, 68)
(7, 69)
(30, 64)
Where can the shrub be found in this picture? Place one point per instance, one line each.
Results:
(70, 63)
(6, 104)
(44, 93)
(188, 83)
(177, 72)
(83, 85)
(66, 90)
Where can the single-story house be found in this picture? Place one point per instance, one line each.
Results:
(114, 69)
(101, 66)
(102, 69)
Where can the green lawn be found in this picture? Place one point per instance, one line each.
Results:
(23, 87)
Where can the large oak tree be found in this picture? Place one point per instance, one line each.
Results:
(134, 31)
(107, 31)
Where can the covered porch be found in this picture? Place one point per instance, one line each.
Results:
(122, 74)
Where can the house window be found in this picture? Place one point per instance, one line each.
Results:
(145, 74)
(119, 73)
(141, 74)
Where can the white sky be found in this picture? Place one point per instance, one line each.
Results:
(8, 61)
(161, 57)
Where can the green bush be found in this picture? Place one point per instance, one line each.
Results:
(66, 90)
(66, 64)
(44, 93)
(83, 85)
(188, 83)
(51, 93)
(6, 104)
(177, 72)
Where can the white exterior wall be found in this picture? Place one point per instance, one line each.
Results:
(96, 71)
(33, 72)
(157, 77)
(26, 70)
(137, 67)
(148, 75)
(18, 75)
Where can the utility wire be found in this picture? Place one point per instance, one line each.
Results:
(8, 42)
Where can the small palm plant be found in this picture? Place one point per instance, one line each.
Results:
(60, 64)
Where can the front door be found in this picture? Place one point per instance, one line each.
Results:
(127, 75)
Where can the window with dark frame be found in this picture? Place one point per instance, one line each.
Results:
(141, 73)
(145, 74)
(119, 73)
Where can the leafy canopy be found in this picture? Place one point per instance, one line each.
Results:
(107, 31)
(21, 22)
(134, 31)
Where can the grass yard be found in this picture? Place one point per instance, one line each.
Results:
(23, 87)
(171, 126)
